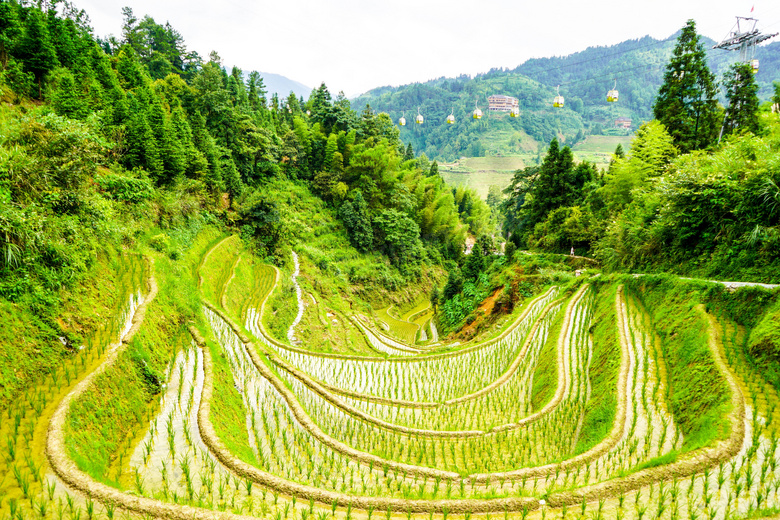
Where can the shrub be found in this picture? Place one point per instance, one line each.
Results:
(125, 188)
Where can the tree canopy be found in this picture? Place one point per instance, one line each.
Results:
(687, 103)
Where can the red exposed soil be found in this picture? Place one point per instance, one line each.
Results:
(484, 310)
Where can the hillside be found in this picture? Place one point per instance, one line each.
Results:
(584, 77)
(220, 306)
(494, 134)
(638, 66)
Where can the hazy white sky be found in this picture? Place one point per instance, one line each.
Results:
(356, 45)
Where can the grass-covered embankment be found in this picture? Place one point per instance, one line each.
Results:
(604, 370)
(698, 394)
(104, 423)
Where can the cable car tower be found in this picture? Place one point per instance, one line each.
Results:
(743, 38)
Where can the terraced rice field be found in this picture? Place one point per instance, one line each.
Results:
(398, 327)
(572, 412)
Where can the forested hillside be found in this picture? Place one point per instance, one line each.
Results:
(635, 67)
(538, 121)
(697, 194)
(219, 304)
(109, 145)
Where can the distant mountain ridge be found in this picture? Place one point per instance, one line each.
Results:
(283, 85)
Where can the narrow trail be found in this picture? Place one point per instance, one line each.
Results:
(729, 285)
(298, 293)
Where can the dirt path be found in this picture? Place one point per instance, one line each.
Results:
(298, 294)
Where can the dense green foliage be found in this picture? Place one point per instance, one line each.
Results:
(687, 102)
(713, 214)
(537, 196)
(436, 99)
(140, 132)
(741, 92)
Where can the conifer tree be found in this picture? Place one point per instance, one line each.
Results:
(475, 263)
(140, 142)
(182, 137)
(434, 171)
(231, 176)
(36, 49)
(256, 90)
(742, 94)
(66, 99)
(129, 68)
(355, 216)
(687, 102)
(10, 29)
(67, 42)
(409, 153)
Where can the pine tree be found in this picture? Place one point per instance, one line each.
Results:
(687, 102)
(10, 29)
(256, 90)
(232, 177)
(140, 142)
(182, 139)
(131, 72)
(550, 189)
(434, 171)
(475, 263)
(66, 99)
(36, 49)
(355, 216)
(409, 153)
(742, 94)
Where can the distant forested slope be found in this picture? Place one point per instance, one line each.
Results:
(635, 66)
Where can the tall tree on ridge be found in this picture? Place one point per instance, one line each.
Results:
(687, 101)
(742, 93)
(10, 28)
(36, 48)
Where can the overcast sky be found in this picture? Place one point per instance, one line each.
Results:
(356, 45)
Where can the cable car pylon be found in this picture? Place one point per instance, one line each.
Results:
(743, 38)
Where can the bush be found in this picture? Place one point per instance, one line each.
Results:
(125, 188)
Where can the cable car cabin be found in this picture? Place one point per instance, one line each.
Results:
(402, 121)
(419, 119)
(558, 102)
(477, 114)
(515, 112)
(612, 95)
(754, 66)
(450, 119)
